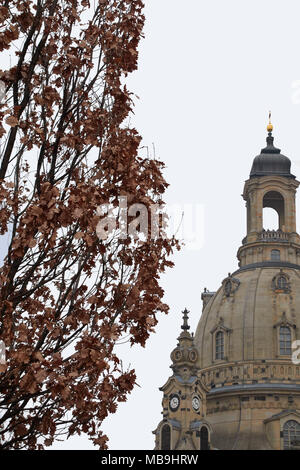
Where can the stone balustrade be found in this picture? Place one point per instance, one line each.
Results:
(272, 235)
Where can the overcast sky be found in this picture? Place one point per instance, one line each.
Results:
(209, 71)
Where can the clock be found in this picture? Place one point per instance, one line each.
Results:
(174, 402)
(196, 403)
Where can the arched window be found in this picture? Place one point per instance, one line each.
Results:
(285, 341)
(291, 434)
(166, 437)
(282, 282)
(220, 345)
(275, 255)
(204, 438)
(274, 215)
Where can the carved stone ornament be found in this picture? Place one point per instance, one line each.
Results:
(230, 285)
(281, 283)
(284, 321)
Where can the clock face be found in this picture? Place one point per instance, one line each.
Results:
(174, 402)
(196, 403)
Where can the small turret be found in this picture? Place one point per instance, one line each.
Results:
(271, 185)
(185, 355)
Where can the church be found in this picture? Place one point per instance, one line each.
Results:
(236, 381)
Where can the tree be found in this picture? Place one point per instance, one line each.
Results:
(66, 296)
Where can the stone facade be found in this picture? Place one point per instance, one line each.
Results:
(245, 374)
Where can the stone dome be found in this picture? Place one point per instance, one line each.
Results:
(248, 314)
(252, 385)
(271, 162)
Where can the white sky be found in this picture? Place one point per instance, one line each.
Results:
(209, 71)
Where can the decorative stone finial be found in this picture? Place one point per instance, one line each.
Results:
(184, 356)
(270, 139)
(185, 325)
(270, 125)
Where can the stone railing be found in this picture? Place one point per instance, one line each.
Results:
(270, 236)
(273, 236)
(247, 372)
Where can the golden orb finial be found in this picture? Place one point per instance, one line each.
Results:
(270, 125)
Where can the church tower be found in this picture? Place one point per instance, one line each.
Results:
(184, 400)
(246, 340)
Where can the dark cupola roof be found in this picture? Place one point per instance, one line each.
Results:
(271, 161)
